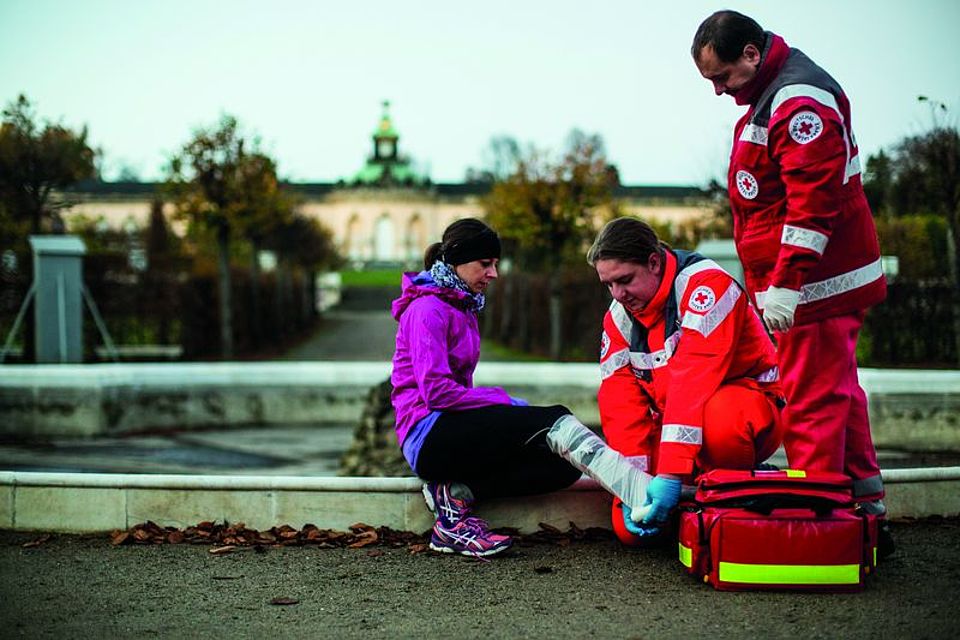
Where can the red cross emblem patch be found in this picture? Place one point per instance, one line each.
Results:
(805, 126)
(747, 185)
(702, 299)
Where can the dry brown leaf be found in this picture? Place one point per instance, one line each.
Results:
(218, 551)
(119, 537)
(175, 537)
(417, 548)
(374, 553)
(284, 601)
(364, 539)
(37, 541)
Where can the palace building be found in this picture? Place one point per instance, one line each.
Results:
(386, 212)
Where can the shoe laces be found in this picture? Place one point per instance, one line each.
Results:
(476, 525)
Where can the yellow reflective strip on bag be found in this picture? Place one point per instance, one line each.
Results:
(795, 473)
(686, 556)
(789, 573)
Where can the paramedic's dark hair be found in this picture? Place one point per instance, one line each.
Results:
(728, 32)
(627, 240)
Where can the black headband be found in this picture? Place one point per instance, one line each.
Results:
(485, 244)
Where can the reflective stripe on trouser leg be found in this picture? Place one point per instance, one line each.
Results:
(860, 456)
(869, 488)
(585, 450)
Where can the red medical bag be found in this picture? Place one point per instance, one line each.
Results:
(784, 529)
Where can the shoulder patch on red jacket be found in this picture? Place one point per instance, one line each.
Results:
(805, 127)
(702, 299)
(747, 185)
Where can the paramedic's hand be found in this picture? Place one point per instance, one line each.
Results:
(779, 306)
(518, 402)
(637, 529)
(663, 494)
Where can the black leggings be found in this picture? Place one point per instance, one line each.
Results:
(497, 451)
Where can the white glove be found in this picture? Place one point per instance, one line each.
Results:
(779, 305)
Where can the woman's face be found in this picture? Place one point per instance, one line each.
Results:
(478, 274)
(632, 285)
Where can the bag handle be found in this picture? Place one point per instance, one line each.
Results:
(765, 504)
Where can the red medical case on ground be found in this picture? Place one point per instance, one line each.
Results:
(783, 529)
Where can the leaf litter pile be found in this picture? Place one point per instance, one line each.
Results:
(226, 537)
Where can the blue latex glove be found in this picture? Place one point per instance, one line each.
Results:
(518, 402)
(663, 494)
(637, 529)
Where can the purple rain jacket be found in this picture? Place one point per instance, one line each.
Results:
(438, 347)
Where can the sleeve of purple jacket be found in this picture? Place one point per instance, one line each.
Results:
(431, 367)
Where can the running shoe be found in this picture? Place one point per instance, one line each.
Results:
(470, 536)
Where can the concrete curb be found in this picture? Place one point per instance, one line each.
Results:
(114, 399)
(78, 502)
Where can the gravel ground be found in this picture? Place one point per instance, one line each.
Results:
(82, 587)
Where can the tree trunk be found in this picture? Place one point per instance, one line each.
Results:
(523, 313)
(556, 314)
(507, 304)
(954, 284)
(226, 297)
(255, 321)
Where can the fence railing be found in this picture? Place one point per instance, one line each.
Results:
(912, 327)
(168, 306)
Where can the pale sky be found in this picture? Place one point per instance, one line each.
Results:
(309, 77)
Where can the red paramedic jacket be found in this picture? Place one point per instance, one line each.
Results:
(801, 219)
(658, 369)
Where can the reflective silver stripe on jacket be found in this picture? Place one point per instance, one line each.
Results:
(804, 238)
(836, 285)
(706, 323)
(616, 360)
(683, 278)
(754, 133)
(681, 434)
(824, 97)
(621, 318)
(655, 359)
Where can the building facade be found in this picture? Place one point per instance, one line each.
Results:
(385, 213)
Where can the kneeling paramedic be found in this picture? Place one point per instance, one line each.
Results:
(689, 378)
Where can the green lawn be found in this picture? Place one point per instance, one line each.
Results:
(490, 350)
(373, 278)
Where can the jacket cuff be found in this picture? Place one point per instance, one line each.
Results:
(786, 278)
(674, 459)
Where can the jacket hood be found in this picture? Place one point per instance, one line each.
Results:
(416, 285)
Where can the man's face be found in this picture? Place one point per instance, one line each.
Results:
(632, 285)
(728, 77)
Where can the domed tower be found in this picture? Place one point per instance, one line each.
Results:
(387, 167)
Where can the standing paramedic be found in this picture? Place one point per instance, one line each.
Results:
(806, 238)
(471, 443)
(688, 373)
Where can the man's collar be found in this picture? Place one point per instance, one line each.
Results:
(774, 55)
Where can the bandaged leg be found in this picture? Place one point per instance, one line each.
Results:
(585, 450)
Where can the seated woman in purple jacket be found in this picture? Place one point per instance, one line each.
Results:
(471, 443)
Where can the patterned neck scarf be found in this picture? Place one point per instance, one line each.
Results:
(445, 276)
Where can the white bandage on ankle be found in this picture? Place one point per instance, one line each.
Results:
(582, 448)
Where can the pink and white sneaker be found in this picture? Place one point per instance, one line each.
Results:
(455, 530)
(470, 536)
